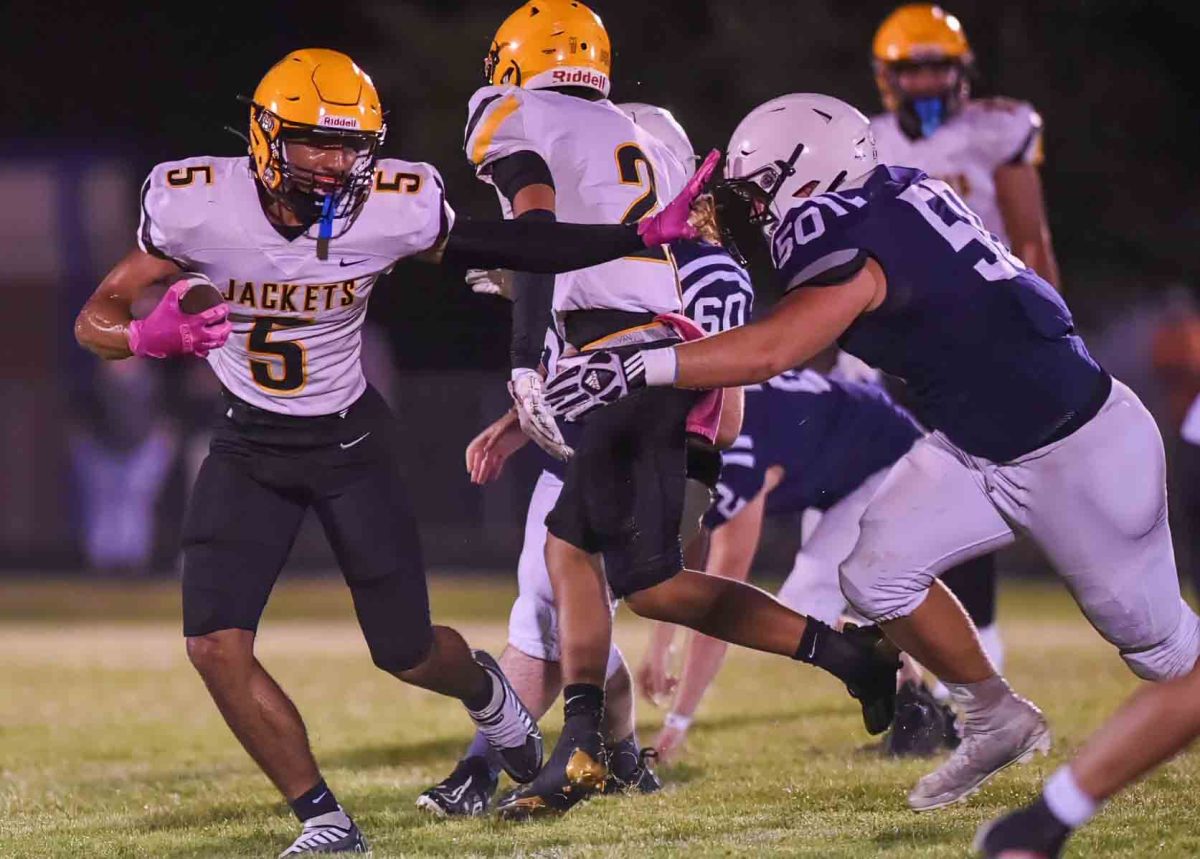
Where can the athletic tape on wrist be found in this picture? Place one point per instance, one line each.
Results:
(661, 366)
(677, 722)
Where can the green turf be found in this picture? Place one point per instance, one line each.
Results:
(109, 745)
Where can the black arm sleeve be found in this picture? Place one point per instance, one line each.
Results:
(539, 246)
(520, 170)
(533, 299)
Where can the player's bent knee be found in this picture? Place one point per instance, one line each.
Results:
(881, 598)
(533, 627)
(398, 652)
(221, 651)
(1174, 656)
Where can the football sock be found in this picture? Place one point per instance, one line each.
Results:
(488, 697)
(583, 707)
(828, 649)
(318, 800)
(1066, 799)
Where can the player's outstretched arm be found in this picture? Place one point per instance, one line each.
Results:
(552, 247)
(102, 326)
(802, 324)
(1023, 208)
(731, 551)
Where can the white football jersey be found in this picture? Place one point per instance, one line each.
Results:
(606, 170)
(965, 152)
(297, 320)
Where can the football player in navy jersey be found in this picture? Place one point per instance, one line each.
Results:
(808, 442)
(1031, 436)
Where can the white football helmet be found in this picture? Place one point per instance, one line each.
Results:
(659, 122)
(795, 146)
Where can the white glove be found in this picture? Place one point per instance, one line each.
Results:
(492, 281)
(536, 420)
(585, 382)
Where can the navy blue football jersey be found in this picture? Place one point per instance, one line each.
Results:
(828, 436)
(717, 296)
(987, 349)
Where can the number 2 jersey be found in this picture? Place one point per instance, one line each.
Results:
(297, 320)
(606, 170)
(967, 150)
(987, 349)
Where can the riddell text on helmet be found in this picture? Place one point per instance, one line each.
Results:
(586, 77)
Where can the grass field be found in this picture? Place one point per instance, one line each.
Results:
(109, 745)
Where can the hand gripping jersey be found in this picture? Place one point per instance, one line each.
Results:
(987, 348)
(966, 152)
(296, 342)
(606, 170)
(717, 296)
(828, 436)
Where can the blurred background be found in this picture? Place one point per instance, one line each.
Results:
(96, 458)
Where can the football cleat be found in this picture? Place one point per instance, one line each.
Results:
(466, 792)
(1012, 735)
(876, 691)
(329, 833)
(922, 726)
(509, 726)
(577, 769)
(629, 769)
(1031, 832)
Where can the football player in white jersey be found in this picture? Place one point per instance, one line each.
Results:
(717, 296)
(545, 135)
(296, 236)
(989, 149)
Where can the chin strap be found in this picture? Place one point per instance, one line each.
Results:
(325, 230)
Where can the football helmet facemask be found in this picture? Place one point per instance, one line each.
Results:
(316, 98)
(921, 36)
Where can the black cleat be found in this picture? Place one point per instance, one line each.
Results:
(509, 727)
(577, 769)
(923, 726)
(629, 769)
(329, 833)
(1031, 832)
(876, 690)
(466, 792)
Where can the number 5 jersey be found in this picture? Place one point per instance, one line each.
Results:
(297, 319)
(606, 170)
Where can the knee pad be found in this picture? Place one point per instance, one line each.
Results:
(399, 651)
(881, 595)
(533, 627)
(1172, 657)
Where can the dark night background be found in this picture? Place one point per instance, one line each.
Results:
(1115, 82)
(95, 94)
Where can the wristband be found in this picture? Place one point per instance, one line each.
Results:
(677, 722)
(662, 366)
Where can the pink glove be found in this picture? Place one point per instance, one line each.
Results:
(671, 224)
(168, 331)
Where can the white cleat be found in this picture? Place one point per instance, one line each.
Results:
(1011, 736)
(330, 833)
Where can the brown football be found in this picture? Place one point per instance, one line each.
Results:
(200, 295)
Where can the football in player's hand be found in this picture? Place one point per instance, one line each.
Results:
(200, 295)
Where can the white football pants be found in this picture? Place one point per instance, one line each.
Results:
(1094, 502)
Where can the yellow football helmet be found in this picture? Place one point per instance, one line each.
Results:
(320, 98)
(914, 35)
(551, 43)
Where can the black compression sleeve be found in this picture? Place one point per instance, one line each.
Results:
(538, 247)
(520, 170)
(533, 298)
